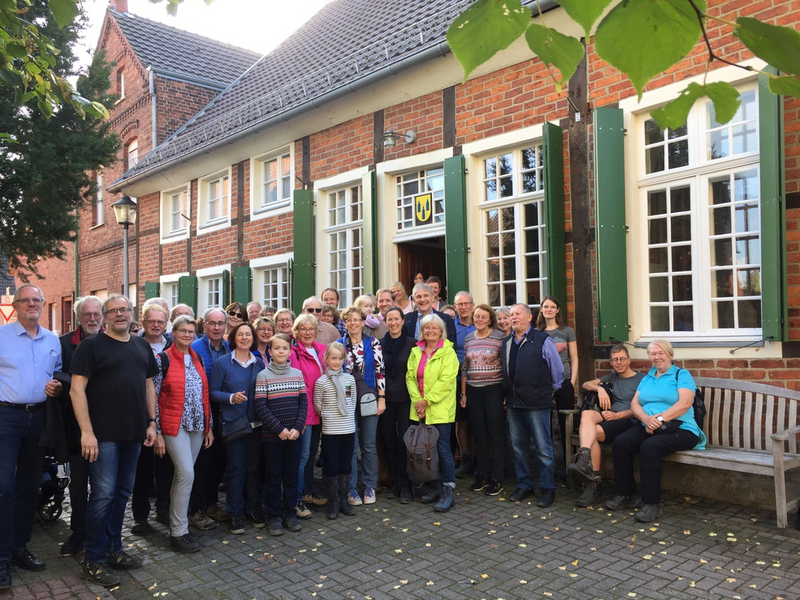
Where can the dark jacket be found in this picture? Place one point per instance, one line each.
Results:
(396, 389)
(229, 377)
(532, 385)
(411, 324)
(203, 348)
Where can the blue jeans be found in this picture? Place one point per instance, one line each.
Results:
(367, 429)
(305, 475)
(21, 465)
(447, 464)
(111, 478)
(524, 424)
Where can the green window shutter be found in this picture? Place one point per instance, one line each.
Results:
(242, 285)
(304, 231)
(187, 291)
(369, 230)
(774, 301)
(554, 207)
(455, 209)
(226, 288)
(152, 289)
(611, 261)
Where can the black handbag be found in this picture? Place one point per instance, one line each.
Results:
(591, 401)
(236, 429)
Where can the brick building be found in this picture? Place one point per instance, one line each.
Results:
(163, 76)
(355, 155)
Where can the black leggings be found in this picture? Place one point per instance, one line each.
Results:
(652, 448)
(487, 419)
(565, 400)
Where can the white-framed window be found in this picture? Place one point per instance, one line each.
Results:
(132, 154)
(272, 178)
(121, 84)
(274, 286)
(175, 214)
(344, 233)
(212, 288)
(172, 293)
(699, 207)
(98, 214)
(215, 200)
(419, 198)
(513, 224)
(132, 296)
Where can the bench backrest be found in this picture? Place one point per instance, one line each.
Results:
(743, 414)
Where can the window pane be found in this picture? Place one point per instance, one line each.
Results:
(681, 228)
(748, 251)
(682, 288)
(654, 159)
(722, 316)
(722, 253)
(658, 260)
(505, 164)
(721, 191)
(678, 154)
(683, 317)
(652, 132)
(682, 258)
(532, 240)
(532, 267)
(658, 231)
(531, 214)
(509, 269)
(749, 282)
(659, 289)
(749, 313)
(506, 187)
(659, 318)
(722, 284)
(722, 220)
(680, 199)
(510, 294)
(745, 185)
(657, 202)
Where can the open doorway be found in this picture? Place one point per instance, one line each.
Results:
(427, 255)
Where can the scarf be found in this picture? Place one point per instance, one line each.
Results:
(280, 370)
(341, 399)
(391, 351)
(372, 321)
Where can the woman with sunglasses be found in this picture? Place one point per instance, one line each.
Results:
(236, 314)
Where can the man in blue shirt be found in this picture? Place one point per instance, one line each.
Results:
(532, 369)
(464, 305)
(29, 355)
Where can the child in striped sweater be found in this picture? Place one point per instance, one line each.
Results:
(335, 400)
(281, 407)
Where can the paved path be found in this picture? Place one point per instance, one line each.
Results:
(484, 548)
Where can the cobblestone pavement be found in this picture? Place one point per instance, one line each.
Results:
(484, 548)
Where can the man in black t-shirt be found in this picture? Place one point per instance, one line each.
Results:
(115, 404)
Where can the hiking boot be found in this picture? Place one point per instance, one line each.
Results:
(124, 561)
(100, 573)
(580, 467)
(592, 494)
(314, 499)
(275, 528)
(480, 484)
(74, 544)
(217, 513)
(494, 488)
(406, 496)
(447, 498)
(236, 524)
(185, 544)
(433, 494)
(546, 499)
(344, 498)
(257, 519)
(622, 502)
(302, 511)
(648, 513)
(292, 524)
(465, 468)
(201, 522)
(332, 487)
(140, 527)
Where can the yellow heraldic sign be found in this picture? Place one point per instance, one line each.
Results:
(423, 207)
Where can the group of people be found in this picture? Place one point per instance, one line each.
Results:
(251, 400)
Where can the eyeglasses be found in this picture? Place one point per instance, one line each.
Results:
(307, 330)
(31, 300)
(215, 323)
(233, 313)
(154, 322)
(118, 311)
(463, 304)
(313, 310)
(185, 331)
(618, 360)
(95, 316)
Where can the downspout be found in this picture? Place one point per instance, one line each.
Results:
(154, 111)
(77, 268)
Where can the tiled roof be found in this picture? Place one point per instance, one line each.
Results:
(346, 41)
(171, 50)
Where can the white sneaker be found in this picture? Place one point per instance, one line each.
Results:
(353, 499)
(369, 496)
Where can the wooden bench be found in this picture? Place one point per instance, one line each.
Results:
(751, 428)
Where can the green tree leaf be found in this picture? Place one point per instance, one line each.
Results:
(785, 86)
(11, 78)
(724, 96)
(779, 46)
(643, 38)
(484, 29)
(585, 12)
(554, 48)
(64, 11)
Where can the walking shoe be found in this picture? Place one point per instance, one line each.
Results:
(5, 575)
(100, 573)
(433, 494)
(465, 468)
(406, 496)
(621, 502)
(256, 519)
(275, 528)
(353, 499)
(73, 545)
(302, 511)
(648, 513)
(314, 499)
(25, 559)
(494, 488)
(236, 524)
(140, 527)
(201, 522)
(217, 513)
(446, 499)
(592, 494)
(292, 524)
(392, 492)
(480, 484)
(369, 496)
(124, 561)
(580, 467)
(547, 498)
(185, 544)
(520, 494)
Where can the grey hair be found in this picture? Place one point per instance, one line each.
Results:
(421, 287)
(525, 306)
(27, 285)
(503, 310)
(303, 320)
(161, 301)
(148, 308)
(436, 320)
(173, 314)
(183, 320)
(208, 311)
(464, 293)
(116, 297)
(311, 299)
(78, 308)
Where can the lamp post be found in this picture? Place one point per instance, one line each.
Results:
(125, 212)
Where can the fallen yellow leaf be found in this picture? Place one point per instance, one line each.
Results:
(687, 532)
(430, 583)
(575, 562)
(484, 576)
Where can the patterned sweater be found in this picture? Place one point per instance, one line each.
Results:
(281, 399)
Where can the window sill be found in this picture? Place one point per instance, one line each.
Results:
(96, 226)
(749, 341)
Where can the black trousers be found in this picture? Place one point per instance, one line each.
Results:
(149, 468)
(209, 469)
(337, 454)
(565, 400)
(487, 419)
(652, 448)
(392, 426)
(78, 491)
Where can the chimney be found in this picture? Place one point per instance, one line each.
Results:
(120, 6)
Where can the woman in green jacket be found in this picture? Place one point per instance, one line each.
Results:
(431, 382)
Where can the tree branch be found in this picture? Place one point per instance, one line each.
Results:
(711, 56)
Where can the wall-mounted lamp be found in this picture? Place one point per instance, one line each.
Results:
(390, 138)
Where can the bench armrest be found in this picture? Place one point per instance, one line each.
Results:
(783, 436)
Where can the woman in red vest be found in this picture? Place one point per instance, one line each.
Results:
(183, 422)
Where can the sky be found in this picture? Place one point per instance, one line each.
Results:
(258, 25)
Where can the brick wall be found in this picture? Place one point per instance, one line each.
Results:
(341, 148)
(421, 115)
(178, 102)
